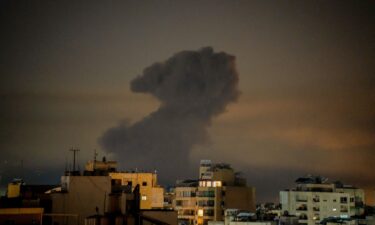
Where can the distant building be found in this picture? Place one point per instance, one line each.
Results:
(314, 199)
(205, 199)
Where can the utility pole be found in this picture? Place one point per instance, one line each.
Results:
(74, 150)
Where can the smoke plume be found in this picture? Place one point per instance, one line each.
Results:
(193, 87)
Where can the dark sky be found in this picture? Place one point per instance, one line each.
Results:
(306, 74)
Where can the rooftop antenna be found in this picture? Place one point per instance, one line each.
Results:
(95, 155)
(74, 150)
(22, 170)
(66, 164)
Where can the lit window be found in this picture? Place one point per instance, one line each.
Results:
(209, 184)
(144, 197)
(217, 183)
(200, 212)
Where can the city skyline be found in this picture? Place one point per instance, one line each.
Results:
(306, 77)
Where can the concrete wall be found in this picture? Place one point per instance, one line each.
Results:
(85, 193)
(21, 216)
(167, 216)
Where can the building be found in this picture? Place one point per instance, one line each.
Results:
(21, 216)
(152, 195)
(205, 199)
(314, 199)
(80, 197)
(241, 217)
(102, 190)
(25, 204)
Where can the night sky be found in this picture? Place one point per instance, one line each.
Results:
(306, 80)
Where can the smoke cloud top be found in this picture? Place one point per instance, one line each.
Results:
(193, 87)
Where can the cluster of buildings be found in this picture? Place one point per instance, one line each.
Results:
(218, 196)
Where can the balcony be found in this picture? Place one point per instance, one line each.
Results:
(302, 207)
(316, 209)
(343, 200)
(209, 203)
(209, 194)
(316, 199)
(344, 208)
(303, 217)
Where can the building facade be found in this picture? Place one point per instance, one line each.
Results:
(205, 199)
(152, 195)
(314, 199)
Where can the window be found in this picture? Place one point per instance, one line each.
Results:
(178, 203)
(316, 198)
(344, 200)
(144, 183)
(206, 203)
(302, 207)
(316, 217)
(303, 217)
(144, 197)
(129, 183)
(216, 184)
(343, 208)
(116, 182)
(208, 212)
(200, 212)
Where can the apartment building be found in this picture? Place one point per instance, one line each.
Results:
(152, 195)
(314, 199)
(205, 199)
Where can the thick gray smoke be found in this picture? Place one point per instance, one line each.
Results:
(193, 87)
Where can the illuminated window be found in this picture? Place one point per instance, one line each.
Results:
(217, 184)
(209, 184)
(200, 212)
(144, 197)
